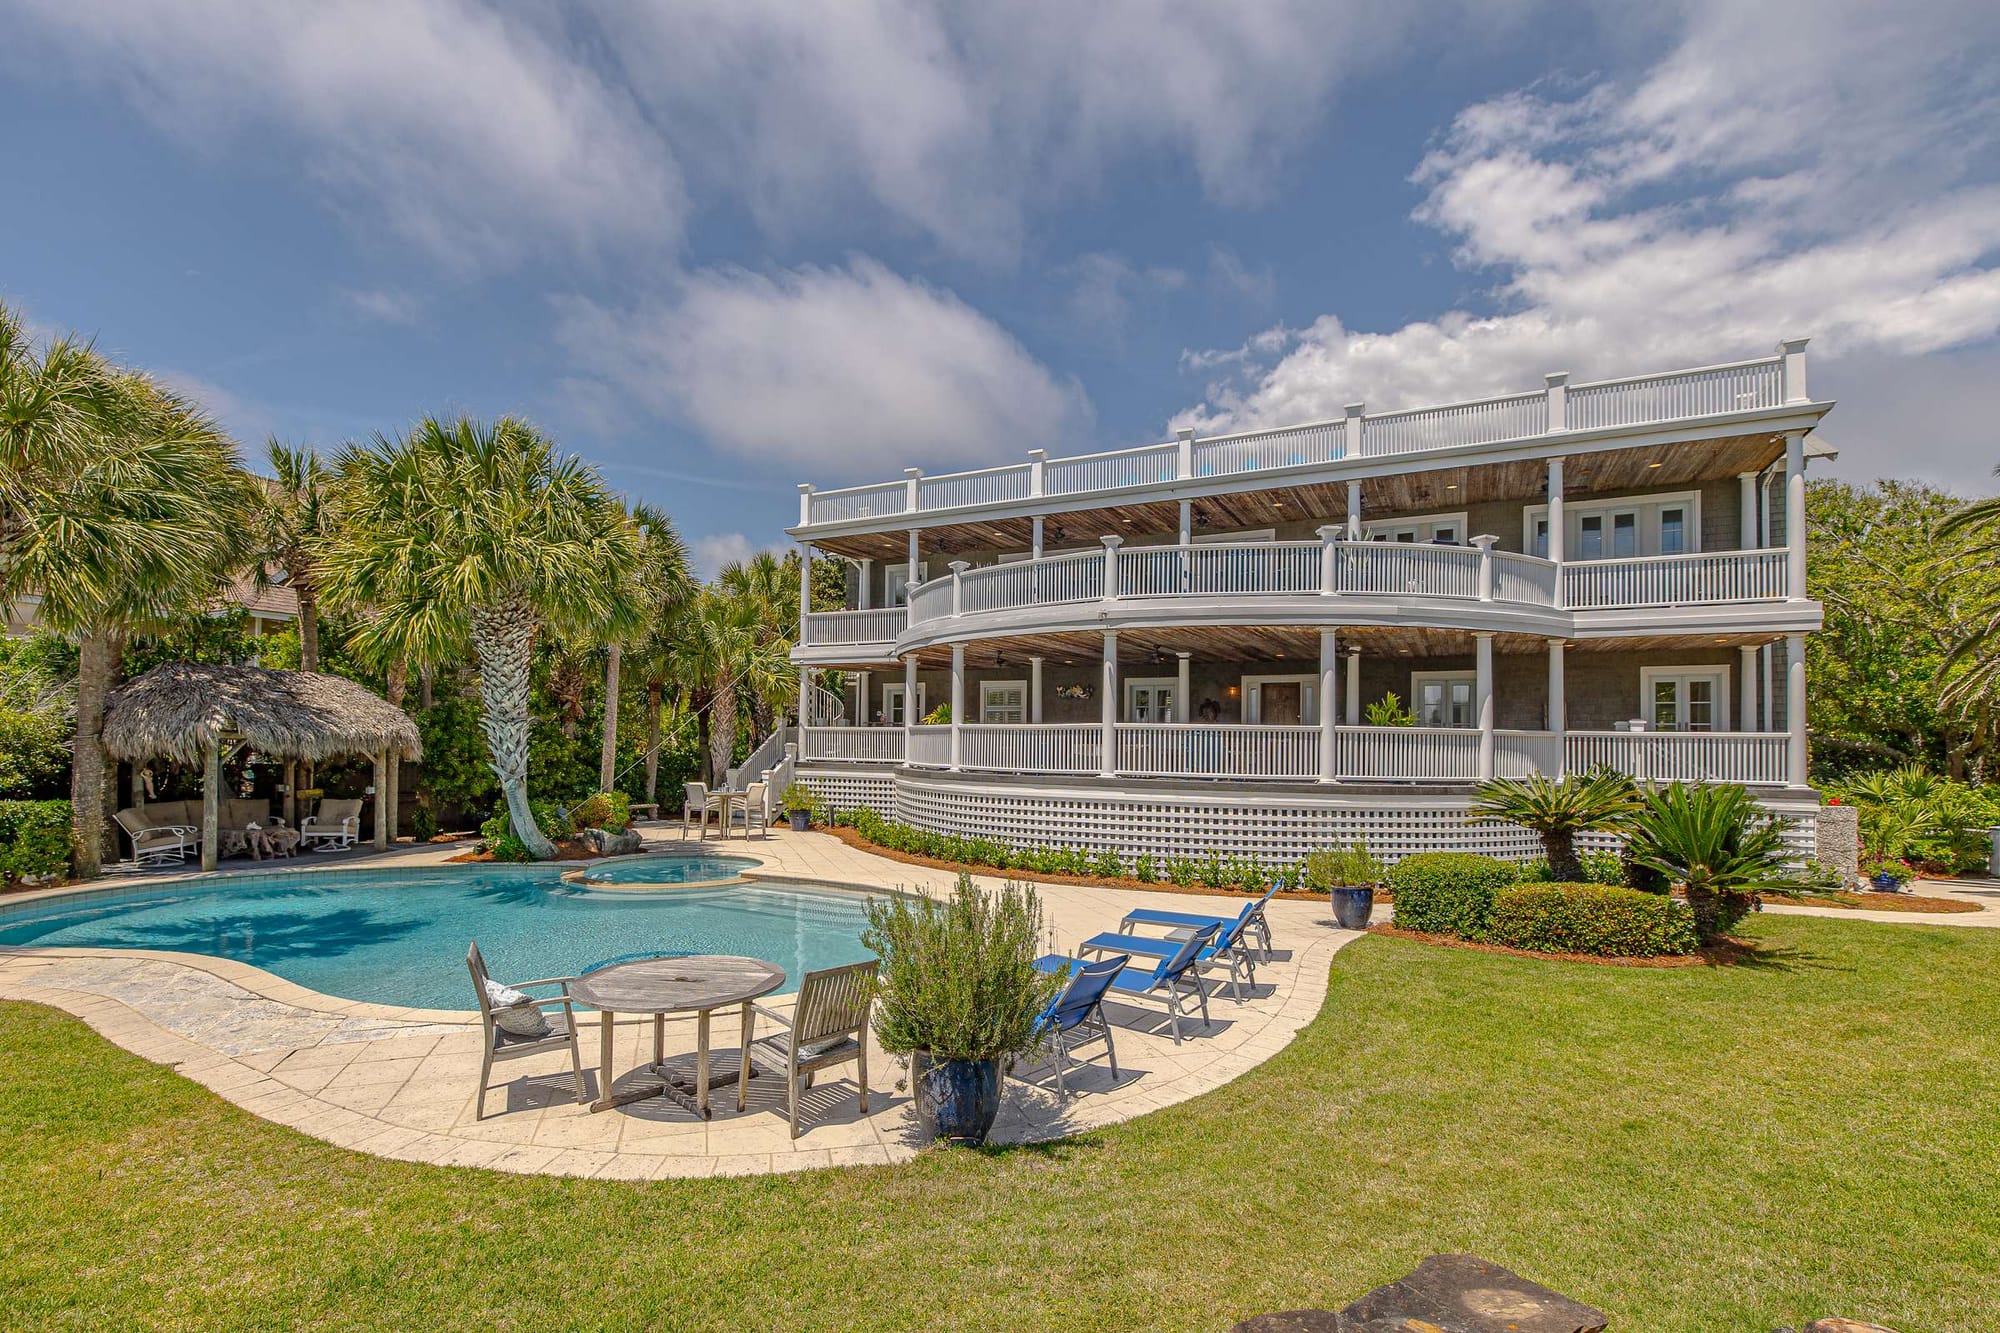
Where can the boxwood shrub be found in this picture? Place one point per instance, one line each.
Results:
(1600, 919)
(1448, 893)
(34, 839)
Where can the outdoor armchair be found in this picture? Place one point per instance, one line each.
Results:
(157, 844)
(336, 824)
(700, 801)
(827, 1026)
(504, 1045)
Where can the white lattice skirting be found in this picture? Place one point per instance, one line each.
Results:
(1276, 824)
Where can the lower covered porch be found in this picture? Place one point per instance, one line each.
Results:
(1326, 705)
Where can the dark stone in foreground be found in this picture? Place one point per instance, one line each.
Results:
(1448, 1293)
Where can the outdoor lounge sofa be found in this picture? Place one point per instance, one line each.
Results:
(1172, 981)
(164, 832)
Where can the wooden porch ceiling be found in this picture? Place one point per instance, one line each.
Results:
(1411, 492)
(1289, 643)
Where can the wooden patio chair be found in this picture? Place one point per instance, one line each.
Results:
(828, 1026)
(504, 1045)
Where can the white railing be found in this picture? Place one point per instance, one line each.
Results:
(1682, 756)
(1057, 747)
(1178, 750)
(1255, 567)
(760, 760)
(879, 625)
(1406, 753)
(1146, 466)
(1678, 580)
(1607, 404)
(1489, 421)
(1524, 578)
(1406, 567)
(930, 601)
(1053, 579)
(959, 490)
(1520, 754)
(1710, 391)
(860, 745)
(930, 746)
(1292, 446)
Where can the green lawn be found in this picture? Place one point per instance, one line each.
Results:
(1692, 1149)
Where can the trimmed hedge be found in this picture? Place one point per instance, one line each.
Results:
(34, 839)
(1448, 893)
(1600, 919)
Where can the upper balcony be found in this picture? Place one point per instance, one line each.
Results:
(1766, 394)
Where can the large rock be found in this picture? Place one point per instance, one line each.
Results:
(606, 843)
(1448, 1293)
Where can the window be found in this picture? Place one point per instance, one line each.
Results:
(892, 704)
(1443, 698)
(1642, 525)
(1685, 699)
(896, 582)
(1003, 701)
(1673, 531)
(1150, 699)
(1590, 537)
(1625, 534)
(1448, 528)
(1540, 543)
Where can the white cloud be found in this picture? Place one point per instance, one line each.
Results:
(711, 553)
(466, 130)
(1843, 190)
(827, 372)
(382, 305)
(1103, 288)
(245, 422)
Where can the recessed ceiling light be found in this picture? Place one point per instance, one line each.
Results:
(1451, 486)
(1655, 464)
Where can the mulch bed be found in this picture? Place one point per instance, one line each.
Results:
(853, 838)
(1874, 902)
(1726, 953)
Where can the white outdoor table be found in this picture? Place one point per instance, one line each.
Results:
(697, 984)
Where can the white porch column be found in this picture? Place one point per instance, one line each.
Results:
(957, 698)
(1353, 687)
(1558, 704)
(1558, 527)
(1795, 514)
(1111, 545)
(1108, 692)
(1795, 708)
(1746, 525)
(910, 574)
(1034, 689)
(1329, 669)
(1182, 711)
(910, 717)
(863, 715)
(867, 567)
(1187, 545)
(805, 588)
(1482, 699)
(1746, 688)
(805, 695)
(1353, 493)
(1035, 541)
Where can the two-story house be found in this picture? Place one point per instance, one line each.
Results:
(1265, 642)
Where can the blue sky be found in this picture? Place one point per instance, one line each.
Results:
(722, 248)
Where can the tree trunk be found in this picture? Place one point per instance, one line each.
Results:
(607, 764)
(1560, 848)
(426, 681)
(722, 732)
(392, 807)
(503, 639)
(702, 708)
(96, 670)
(653, 692)
(308, 625)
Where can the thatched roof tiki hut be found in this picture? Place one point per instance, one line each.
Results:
(197, 714)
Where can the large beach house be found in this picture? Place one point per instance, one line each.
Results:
(1192, 646)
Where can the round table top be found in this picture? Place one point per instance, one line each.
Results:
(666, 985)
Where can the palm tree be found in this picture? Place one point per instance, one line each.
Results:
(122, 508)
(665, 582)
(1716, 843)
(768, 588)
(291, 523)
(469, 531)
(1559, 809)
(714, 640)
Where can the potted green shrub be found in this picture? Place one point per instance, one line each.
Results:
(1349, 877)
(958, 994)
(1887, 874)
(798, 803)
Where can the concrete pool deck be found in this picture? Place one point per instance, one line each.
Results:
(400, 1082)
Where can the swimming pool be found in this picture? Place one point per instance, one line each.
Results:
(399, 936)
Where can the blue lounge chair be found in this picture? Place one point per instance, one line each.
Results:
(1171, 980)
(1076, 1016)
(1252, 919)
(1227, 951)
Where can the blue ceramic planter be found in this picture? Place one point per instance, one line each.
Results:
(801, 820)
(1352, 906)
(1886, 882)
(957, 1100)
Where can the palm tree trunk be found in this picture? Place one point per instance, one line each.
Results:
(426, 680)
(96, 669)
(722, 731)
(503, 639)
(399, 685)
(1560, 849)
(653, 692)
(308, 625)
(607, 763)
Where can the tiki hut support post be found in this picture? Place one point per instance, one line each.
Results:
(291, 793)
(211, 803)
(381, 808)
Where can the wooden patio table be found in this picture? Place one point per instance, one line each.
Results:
(694, 983)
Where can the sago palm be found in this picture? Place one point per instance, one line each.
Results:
(1716, 843)
(465, 531)
(1557, 810)
(122, 508)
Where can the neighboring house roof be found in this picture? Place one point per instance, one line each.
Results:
(276, 602)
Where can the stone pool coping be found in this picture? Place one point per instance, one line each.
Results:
(399, 1082)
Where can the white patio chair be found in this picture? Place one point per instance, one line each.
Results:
(700, 802)
(335, 825)
(828, 1026)
(504, 1045)
(157, 844)
(757, 809)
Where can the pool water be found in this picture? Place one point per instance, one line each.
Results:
(399, 936)
(668, 868)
